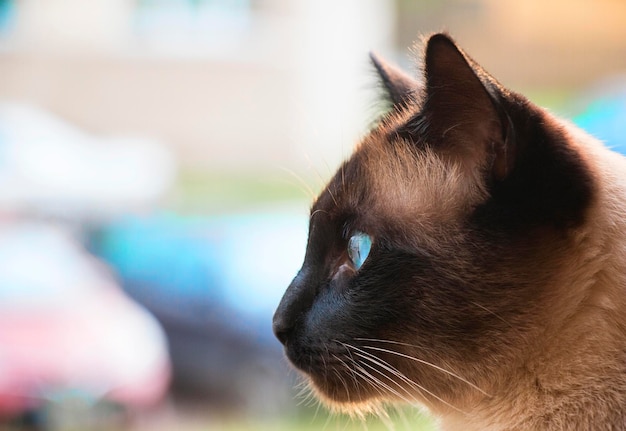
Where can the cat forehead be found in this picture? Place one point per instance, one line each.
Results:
(417, 182)
(391, 182)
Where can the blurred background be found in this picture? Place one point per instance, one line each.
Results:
(157, 160)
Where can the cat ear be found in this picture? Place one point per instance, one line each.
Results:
(461, 113)
(400, 86)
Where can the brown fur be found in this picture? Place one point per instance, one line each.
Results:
(494, 294)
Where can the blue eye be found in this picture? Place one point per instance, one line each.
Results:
(359, 246)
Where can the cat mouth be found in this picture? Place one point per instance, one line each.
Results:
(344, 377)
(340, 388)
(329, 371)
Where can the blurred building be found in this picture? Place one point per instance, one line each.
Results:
(533, 44)
(278, 83)
(227, 82)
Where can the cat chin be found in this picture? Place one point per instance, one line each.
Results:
(356, 409)
(341, 402)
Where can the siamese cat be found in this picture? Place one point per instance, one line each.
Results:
(470, 257)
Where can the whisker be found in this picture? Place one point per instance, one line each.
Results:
(332, 196)
(358, 378)
(327, 165)
(327, 422)
(306, 394)
(454, 126)
(317, 211)
(318, 405)
(383, 384)
(322, 181)
(385, 365)
(379, 361)
(305, 187)
(325, 366)
(422, 388)
(355, 380)
(400, 343)
(388, 367)
(343, 177)
(493, 313)
(360, 374)
(414, 401)
(421, 361)
(341, 379)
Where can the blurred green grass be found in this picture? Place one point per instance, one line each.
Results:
(198, 417)
(403, 419)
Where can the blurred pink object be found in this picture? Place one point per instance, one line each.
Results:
(65, 326)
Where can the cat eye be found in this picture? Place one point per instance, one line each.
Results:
(359, 246)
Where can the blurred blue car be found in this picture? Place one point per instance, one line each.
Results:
(213, 283)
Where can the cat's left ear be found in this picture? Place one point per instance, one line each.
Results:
(400, 87)
(461, 114)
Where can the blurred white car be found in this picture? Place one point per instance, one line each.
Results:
(49, 166)
(68, 331)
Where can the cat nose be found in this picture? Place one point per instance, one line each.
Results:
(281, 327)
(296, 300)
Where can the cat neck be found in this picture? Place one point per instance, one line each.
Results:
(574, 377)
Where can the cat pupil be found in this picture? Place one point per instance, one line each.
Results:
(359, 247)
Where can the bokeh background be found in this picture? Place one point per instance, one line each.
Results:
(157, 160)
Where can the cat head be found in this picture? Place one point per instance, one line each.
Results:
(433, 249)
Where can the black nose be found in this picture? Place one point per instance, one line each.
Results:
(281, 327)
(293, 306)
